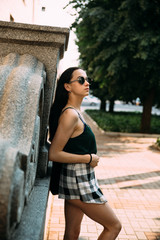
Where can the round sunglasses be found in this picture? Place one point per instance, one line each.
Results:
(82, 80)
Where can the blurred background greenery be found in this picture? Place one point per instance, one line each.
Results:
(119, 46)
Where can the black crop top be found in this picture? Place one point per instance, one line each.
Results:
(84, 143)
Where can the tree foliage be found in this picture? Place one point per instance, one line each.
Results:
(119, 45)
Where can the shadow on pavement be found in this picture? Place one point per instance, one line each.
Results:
(151, 185)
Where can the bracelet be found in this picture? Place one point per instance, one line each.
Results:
(90, 158)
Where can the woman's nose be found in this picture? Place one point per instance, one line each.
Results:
(86, 82)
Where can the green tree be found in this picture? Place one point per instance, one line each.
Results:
(119, 44)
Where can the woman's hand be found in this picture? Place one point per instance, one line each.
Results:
(95, 160)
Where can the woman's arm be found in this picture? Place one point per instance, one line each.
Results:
(67, 126)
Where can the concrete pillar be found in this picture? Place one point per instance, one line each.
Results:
(29, 55)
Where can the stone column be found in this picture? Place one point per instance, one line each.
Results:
(29, 55)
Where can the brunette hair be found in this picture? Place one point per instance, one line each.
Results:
(61, 99)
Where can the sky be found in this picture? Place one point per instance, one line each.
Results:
(55, 15)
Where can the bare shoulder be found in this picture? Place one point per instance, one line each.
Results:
(69, 117)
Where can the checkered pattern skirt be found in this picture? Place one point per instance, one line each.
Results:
(77, 181)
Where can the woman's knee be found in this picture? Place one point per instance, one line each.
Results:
(72, 234)
(115, 228)
(118, 226)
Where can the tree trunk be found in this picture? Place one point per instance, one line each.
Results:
(146, 115)
(111, 105)
(103, 105)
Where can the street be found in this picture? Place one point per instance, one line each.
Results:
(119, 106)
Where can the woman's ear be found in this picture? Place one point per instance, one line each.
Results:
(67, 87)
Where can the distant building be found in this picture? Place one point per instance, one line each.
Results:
(24, 11)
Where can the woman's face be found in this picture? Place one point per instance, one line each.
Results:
(78, 83)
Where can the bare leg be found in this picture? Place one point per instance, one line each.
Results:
(102, 214)
(73, 219)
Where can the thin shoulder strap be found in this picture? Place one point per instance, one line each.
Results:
(68, 108)
(76, 111)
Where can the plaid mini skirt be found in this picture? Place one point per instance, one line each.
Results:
(77, 181)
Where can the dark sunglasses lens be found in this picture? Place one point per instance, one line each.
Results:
(81, 80)
(89, 80)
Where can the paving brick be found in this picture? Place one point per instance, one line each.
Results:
(129, 230)
(53, 235)
(141, 235)
(152, 236)
(84, 238)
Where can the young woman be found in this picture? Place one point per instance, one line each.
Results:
(73, 144)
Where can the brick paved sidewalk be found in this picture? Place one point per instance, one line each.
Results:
(129, 176)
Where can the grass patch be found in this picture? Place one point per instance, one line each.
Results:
(127, 122)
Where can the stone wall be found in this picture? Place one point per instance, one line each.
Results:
(29, 55)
